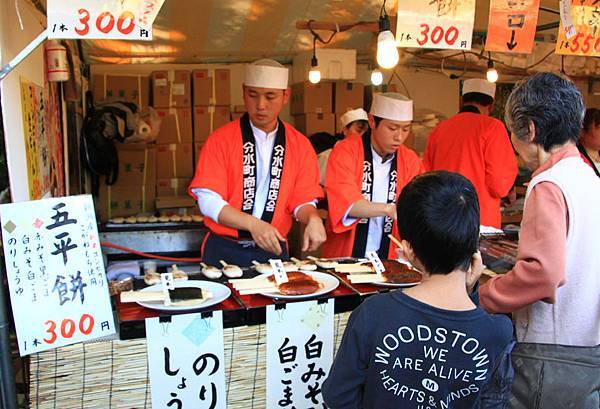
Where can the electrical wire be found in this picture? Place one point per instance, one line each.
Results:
(149, 255)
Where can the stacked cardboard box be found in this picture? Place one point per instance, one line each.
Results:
(135, 188)
(172, 100)
(122, 87)
(312, 107)
(347, 95)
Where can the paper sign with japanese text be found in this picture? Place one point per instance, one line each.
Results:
(102, 19)
(299, 353)
(56, 275)
(586, 28)
(186, 361)
(512, 25)
(445, 24)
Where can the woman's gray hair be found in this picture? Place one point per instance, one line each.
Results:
(552, 103)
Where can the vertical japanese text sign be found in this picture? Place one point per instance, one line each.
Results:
(435, 24)
(299, 353)
(186, 361)
(579, 31)
(102, 19)
(55, 272)
(511, 27)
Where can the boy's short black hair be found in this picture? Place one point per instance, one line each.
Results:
(438, 214)
(377, 120)
(477, 98)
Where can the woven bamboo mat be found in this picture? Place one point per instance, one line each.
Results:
(114, 374)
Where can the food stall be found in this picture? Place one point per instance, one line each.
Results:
(184, 84)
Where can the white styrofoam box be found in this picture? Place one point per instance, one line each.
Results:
(334, 64)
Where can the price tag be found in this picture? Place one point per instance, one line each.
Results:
(167, 284)
(582, 37)
(102, 19)
(435, 24)
(278, 271)
(376, 261)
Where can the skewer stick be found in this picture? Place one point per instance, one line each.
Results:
(251, 291)
(313, 258)
(366, 278)
(252, 284)
(353, 268)
(223, 263)
(489, 272)
(396, 242)
(256, 263)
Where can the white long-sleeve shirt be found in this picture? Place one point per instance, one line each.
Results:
(211, 203)
(379, 194)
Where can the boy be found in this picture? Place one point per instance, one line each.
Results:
(428, 346)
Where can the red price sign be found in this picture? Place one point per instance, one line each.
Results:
(586, 41)
(67, 328)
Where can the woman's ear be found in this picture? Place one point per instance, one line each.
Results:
(531, 136)
(409, 253)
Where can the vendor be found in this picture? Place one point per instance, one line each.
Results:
(365, 175)
(353, 122)
(589, 143)
(477, 146)
(256, 173)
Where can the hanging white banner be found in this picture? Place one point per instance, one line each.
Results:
(186, 361)
(299, 353)
(56, 275)
(102, 19)
(445, 24)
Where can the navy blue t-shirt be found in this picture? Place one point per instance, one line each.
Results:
(398, 352)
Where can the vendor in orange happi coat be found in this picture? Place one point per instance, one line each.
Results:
(365, 175)
(255, 174)
(477, 146)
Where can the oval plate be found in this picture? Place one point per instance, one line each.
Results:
(329, 282)
(220, 293)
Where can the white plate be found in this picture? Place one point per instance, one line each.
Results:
(220, 293)
(329, 282)
(396, 284)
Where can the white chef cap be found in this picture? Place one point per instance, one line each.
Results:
(479, 85)
(358, 114)
(266, 73)
(392, 105)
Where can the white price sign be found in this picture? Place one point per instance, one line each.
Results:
(278, 271)
(102, 19)
(376, 262)
(55, 273)
(186, 361)
(444, 24)
(299, 353)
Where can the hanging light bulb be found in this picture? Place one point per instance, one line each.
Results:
(376, 77)
(314, 75)
(491, 74)
(387, 52)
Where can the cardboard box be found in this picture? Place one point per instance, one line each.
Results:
(347, 95)
(174, 161)
(176, 205)
(172, 187)
(130, 88)
(137, 164)
(310, 124)
(311, 98)
(118, 200)
(197, 149)
(175, 125)
(171, 89)
(207, 119)
(211, 87)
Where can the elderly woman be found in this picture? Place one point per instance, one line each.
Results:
(589, 143)
(553, 291)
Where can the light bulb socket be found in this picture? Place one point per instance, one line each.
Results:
(384, 24)
(490, 64)
(314, 62)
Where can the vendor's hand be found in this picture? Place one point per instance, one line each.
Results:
(475, 271)
(314, 234)
(390, 211)
(266, 236)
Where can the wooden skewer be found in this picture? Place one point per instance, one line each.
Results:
(353, 268)
(251, 291)
(396, 242)
(313, 258)
(256, 263)
(366, 278)
(252, 284)
(489, 272)
(223, 263)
